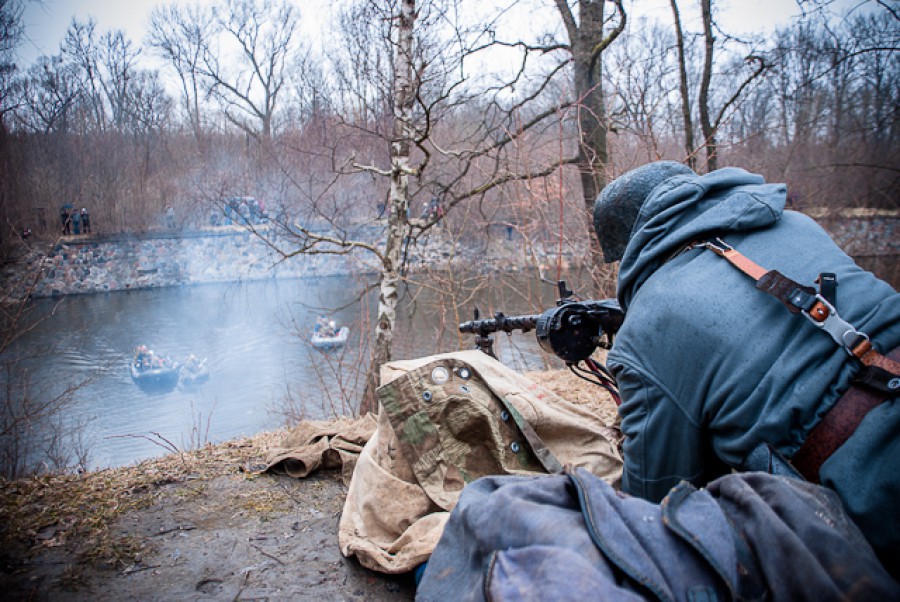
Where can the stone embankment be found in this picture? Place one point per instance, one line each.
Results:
(93, 264)
(103, 263)
(870, 236)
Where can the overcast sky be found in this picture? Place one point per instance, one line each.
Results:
(47, 21)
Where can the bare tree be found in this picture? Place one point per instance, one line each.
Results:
(587, 41)
(265, 33)
(117, 57)
(50, 90)
(310, 90)
(641, 88)
(709, 125)
(80, 48)
(182, 35)
(106, 67)
(146, 102)
(11, 27)
(404, 131)
(689, 148)
(833, 93)
(11, 32)
(418, 129)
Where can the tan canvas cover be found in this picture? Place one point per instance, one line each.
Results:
(322, 444)
(447, 420)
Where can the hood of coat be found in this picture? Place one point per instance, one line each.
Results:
(687, 208)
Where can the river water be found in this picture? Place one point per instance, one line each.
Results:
(255, 338)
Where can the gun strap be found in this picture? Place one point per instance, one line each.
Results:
(879, 372)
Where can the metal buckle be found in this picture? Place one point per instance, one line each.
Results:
(716, 245)
(843, 333)
(719, 245)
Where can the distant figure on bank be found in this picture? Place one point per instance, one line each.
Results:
(64, 219)
(170, 217)
(85, 220)
(76, 222)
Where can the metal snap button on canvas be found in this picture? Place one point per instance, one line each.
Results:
(464, 373)
(440, 375)
(515, 447)
(426, 395)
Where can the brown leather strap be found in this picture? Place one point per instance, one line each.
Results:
(837, 426)
(744, 264)
(772, 282)
(869, 357)
(783, 288)
(796, 297)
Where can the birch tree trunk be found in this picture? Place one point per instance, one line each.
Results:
(398, 201)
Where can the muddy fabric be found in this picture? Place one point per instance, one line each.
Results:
(445, 421)
(749, 536)
(313, 445)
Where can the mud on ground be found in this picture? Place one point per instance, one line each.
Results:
(229, 537)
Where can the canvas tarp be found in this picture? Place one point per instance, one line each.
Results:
(322, 444)
(445, 421)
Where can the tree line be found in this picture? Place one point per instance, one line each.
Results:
(94, 124)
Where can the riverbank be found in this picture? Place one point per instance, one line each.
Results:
(99, 263)
(199, 525)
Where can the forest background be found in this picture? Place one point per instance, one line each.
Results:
(417, 114)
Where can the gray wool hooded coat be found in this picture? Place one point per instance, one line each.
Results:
(709, 367)
(747, 536)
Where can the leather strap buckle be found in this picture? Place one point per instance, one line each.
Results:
(824, 316)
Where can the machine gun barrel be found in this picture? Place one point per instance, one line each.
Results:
(500, 323)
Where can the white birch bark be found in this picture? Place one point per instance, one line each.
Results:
(398, 200)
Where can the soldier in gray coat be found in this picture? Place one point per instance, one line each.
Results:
(715, 374)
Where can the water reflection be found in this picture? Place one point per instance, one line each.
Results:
(255, 338)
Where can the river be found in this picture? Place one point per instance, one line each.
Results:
(255, 338)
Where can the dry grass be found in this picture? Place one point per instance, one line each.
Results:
(78, 510)
(578, 391)
(52, 509)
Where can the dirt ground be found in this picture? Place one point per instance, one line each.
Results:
(229, 537)
(200, 525)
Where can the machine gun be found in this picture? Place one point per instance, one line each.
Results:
(572, 331)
